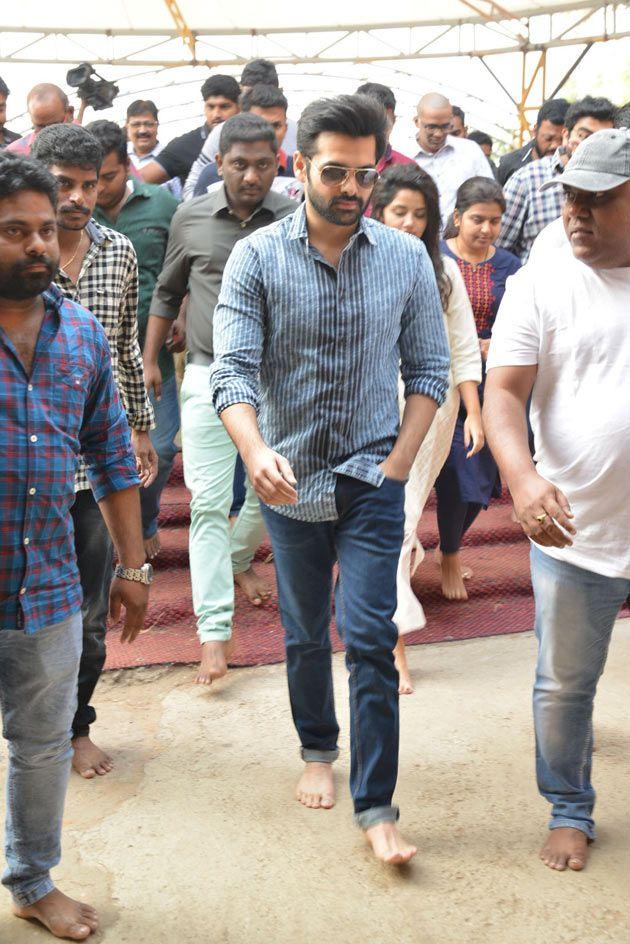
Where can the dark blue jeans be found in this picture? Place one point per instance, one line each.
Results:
(365, 541)
(163, 439)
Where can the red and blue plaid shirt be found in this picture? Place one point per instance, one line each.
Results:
(68, 406)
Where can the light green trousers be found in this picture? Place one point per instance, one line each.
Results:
(217, 550)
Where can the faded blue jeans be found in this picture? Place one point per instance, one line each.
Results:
(366, 541)
(38, 696)
(575, 613)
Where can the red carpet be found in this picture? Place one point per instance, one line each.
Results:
(500, 593)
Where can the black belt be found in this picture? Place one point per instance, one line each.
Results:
(203, 360)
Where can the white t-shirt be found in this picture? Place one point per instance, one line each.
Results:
(553, 236)
(574, 323)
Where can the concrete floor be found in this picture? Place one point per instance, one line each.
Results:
(196, 837)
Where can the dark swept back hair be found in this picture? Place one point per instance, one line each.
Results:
(260, 72)
(142, 106)
(474, 190)
(4, 88)
(398, 177)
(382, 93)
(18, 174)
(358, 116)
(71, 145)
(263, 96)
(247, 128)
(553, 110)
(459, 113)
(223, 85)
(480, 137)
(110, 137)
(588, 107)
(622, 118)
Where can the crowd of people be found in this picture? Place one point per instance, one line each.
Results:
(360, 327)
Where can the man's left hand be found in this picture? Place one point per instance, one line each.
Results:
(392, 469)
(146, 456)
(135, 597)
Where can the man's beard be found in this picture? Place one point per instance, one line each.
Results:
(336, 216)
(18, 284)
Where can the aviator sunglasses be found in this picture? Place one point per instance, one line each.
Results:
(334, 175)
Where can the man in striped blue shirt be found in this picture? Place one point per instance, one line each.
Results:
(318, 314)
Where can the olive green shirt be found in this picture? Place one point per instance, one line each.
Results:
(203, 234)
(145, 218)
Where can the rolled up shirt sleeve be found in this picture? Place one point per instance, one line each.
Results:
(516, 335)
(104, 435)
(424, 353)
(238, 330)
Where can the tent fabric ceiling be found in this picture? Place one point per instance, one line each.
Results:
(225, 16)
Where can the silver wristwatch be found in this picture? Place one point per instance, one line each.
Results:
(142, 574)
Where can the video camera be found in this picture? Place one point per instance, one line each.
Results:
(92, 88)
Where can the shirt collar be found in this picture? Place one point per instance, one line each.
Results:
(299, 230)
(96, 232)
(220, 202)
(447, 146)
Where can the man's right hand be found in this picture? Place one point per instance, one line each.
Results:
(539, 505)
(272, 477)
(153, 379)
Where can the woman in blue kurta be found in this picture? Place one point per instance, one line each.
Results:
(468, 482)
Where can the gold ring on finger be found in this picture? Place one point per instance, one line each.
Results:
(541, 518)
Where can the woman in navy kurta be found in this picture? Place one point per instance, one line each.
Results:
(468, 482)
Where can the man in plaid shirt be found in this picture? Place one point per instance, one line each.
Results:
(99, 270)
(57, 399)
(529, 210)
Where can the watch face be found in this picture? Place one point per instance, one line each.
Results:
(148, 572)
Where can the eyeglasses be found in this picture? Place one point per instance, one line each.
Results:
(446, 129)
(334, 175)
(586, 198)
(136, 125)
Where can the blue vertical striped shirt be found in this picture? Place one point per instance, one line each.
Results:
(317, 351)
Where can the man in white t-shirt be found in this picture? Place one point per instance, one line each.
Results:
(563, 335)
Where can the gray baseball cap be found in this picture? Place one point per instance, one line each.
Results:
(601, 162)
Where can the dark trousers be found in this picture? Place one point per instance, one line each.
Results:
(95, 557)
(366, 541)
(454, 517)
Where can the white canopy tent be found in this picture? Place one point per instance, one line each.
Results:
(518, 51)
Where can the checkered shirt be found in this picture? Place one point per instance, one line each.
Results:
(529, 211)
(68, 405)
(108, 287)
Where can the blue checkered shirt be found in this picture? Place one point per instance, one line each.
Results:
(529, 211)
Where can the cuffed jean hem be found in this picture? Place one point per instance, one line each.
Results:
(375, 815)
(310, 756)
(562, 822)
(151, 530)
(25, 898)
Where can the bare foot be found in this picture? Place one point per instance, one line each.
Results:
(565, 847)
(388, 845)
(213, 662)
(405, 685)
(65, 918)
(89, 760)
(253, 586)
(152, 546)
(316, 787)
(452, 581)
(467, 571)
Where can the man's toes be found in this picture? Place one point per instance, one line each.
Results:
(327, 802)
(576, 863)
(88, 773)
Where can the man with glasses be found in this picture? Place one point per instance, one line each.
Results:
(530, 206)
(317, 317)
(449, 160)
(142, 139)
(562, 336)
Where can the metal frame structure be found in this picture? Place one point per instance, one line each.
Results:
(488, 30)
